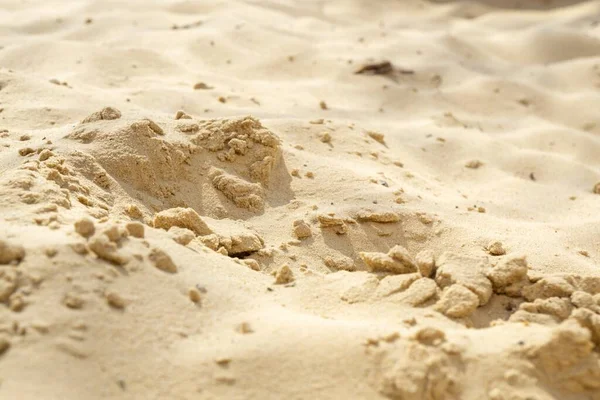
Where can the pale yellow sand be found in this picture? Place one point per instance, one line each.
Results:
(299, 231)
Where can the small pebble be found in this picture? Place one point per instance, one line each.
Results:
(4, 345)
(45, 154)
(26, 151)
(162, 261)
(135, 229)
(473, 164)
(85, 227)
(195, 295)
(201, 86)
(325, 137)
(284, 275)
(244, 328)
(115, 300)
(495, 248)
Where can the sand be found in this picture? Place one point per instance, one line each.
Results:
(299, 199)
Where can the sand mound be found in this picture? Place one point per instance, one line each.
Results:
(192, 165)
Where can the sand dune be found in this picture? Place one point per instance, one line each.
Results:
(204, 199)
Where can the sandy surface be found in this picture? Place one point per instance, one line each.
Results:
(204, 200)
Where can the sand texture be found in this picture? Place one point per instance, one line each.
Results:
(262, 199)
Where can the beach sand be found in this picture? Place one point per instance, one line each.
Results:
(343, 199)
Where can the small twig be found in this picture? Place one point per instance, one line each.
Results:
(382, 68)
